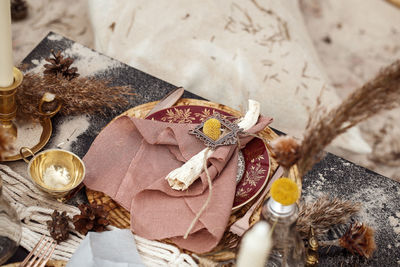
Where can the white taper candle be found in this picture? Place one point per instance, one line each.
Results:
(255, 246)
(6, 57)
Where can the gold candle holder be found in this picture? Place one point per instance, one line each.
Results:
(10, 122)
(8, 105)
(312, 249)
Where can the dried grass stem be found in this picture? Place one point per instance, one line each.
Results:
(78, 96)
(379, 94)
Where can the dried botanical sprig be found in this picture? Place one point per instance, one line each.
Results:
(379, 94)
(359, 238)
(286, 150)
(324, 213)
(78, 96)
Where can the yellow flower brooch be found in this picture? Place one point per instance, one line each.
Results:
(212, 128)
(216, 131)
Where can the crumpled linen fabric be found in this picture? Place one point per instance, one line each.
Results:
(129, 161)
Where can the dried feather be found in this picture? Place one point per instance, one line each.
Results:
(78, 96)
(379, 94)
(324, 213)
(359, 238)
(286, 150)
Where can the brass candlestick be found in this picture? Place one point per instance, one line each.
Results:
(10, 122)
(8, 106)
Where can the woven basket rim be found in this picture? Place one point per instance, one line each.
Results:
(121, 218)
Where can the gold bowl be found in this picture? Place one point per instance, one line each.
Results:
(59, 158)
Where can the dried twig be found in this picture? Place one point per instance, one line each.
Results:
(324, 213)
(381, 93)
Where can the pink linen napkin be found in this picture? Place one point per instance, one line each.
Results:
(129, 161)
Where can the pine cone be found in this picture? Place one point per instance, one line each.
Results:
(60, 66)
(359, 238)
(19, 9)
(93, 217)
(58, 226)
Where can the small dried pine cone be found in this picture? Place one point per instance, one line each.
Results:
(93, 217)
(19, 10)
(58, 226)
(60, 66)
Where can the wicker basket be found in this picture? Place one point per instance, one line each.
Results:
(227, 248)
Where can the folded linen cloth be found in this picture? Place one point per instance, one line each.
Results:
(129, 161)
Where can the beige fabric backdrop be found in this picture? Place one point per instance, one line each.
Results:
(357, 46)
(226, 51)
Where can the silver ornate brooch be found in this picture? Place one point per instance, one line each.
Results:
(229, 136)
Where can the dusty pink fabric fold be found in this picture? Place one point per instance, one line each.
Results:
(129, 161)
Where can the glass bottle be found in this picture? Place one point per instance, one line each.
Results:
(10, 229)
(288, 247)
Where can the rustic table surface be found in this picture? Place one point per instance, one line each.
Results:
(333, 176)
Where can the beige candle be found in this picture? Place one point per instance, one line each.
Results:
(6, 57)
